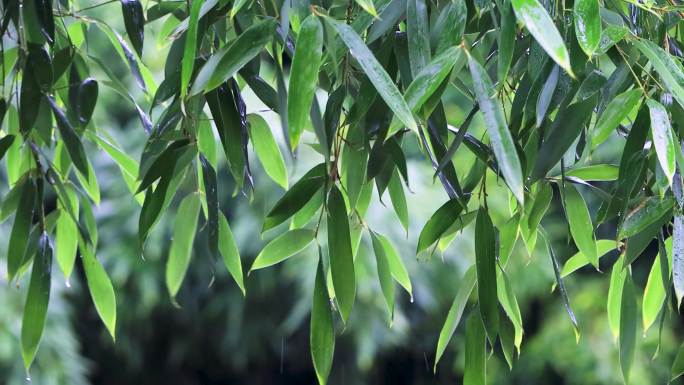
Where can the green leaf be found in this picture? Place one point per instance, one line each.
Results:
(616, 111)
(546, 95)
(134, 20)
(376, 74)
(669, 71)
(87, 99)
(267, 149)
(678, 257)
(396, 192)
(304, 76)
(190, 47)
(396, 264)
(579, 260)
(5, 144)
(367, 5)
(663, 138)
(506, 41)
(655, 292)
(509, 303)
(101, 289)
(230, 252)
(177, 150)
(588, 25)
(428, 81)
(296, 197)
(678, 364)
(613, 304)
(439, 223)
(20, 229)
(322, 337)
(541, 26)
(35, 309)
(628, 327)
(645, 213)
(448, 30)
(497, 129)
(384, 274)
(283, 247)
(304, 215)
(211, 194)
(581, 228)
(340, 252)
(475, 351)
(66, 237)
(455, 313)
(417, 35)
(225, 63)
(181, 244)
(71, 140)
(485, 262)
(594, 173)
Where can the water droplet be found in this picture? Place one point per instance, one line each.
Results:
(68, 284)
(411, 299)
(28, 378)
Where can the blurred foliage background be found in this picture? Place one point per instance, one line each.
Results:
(216, 335)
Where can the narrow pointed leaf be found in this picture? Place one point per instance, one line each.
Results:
(283, 247)
(19, 235)
(304, 76)
(628, 328)
(37, 299)
(396, 264)
(190, 49)
(267, 149)
(322, 337)
(100, 288)
(587, 25)
(535, 18)
(438, 224)
(663, 138)
(615, 112)
(340, 252)
(475, 351)
(384, 274)
(495, 121)
(134, 20)
(230, 253)
(181, 244)
(485, 261)
(581, 228)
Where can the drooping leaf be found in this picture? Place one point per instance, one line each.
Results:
(663, 138)
(535, 18)
(190, 48)
(303, 76)
(579, 260)
(655, 292)
(229, 250)
(211, 194)
(37, 299)
(87, 99)
(296, 197)
(71, 140)
(614, 113)
(340, 252)
(485, 262)
(100, 288)
(581, 228)
(134, 20)
(66, 237)
(225, 63)
(322, 337)
(499, 134)
(417, 35)
(645, 213)
(587, 25)
(267, 149)
(20, 229)
(384, 274)
(628, 327)
(455, 312)
(282, 247)
(438, 224)
(181, 244)
(376, 74)
(475, 351)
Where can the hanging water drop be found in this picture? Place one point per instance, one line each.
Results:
(67, 283)
(411, 299)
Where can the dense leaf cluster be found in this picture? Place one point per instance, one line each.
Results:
(552, 81)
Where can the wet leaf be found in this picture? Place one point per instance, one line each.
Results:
(485, 262)
(340, 252)
(181, 243)
(37, 299)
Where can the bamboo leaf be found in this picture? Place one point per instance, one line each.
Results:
(282, 247)
(384, 274)
(663, 138)
(101, 289)
(628, 327)
(655, 292)
(587, 25)
(541, 26)
(495, 121)
(211, 193)
(438, 224)
(396, 264)
(615, 112)
(475, 351)
(190, 48)
(376, 74)
(267, 149)
(181, 244)
(228, 60)
(20, 229)
(485, 262)
(579, 260)
(340, 252)
(322, 337)
(134, 20)
(304, 76)
(645, 213)
(230, 252)
(455, 313)
(581, 228)
(66, 237)
(37, 299)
